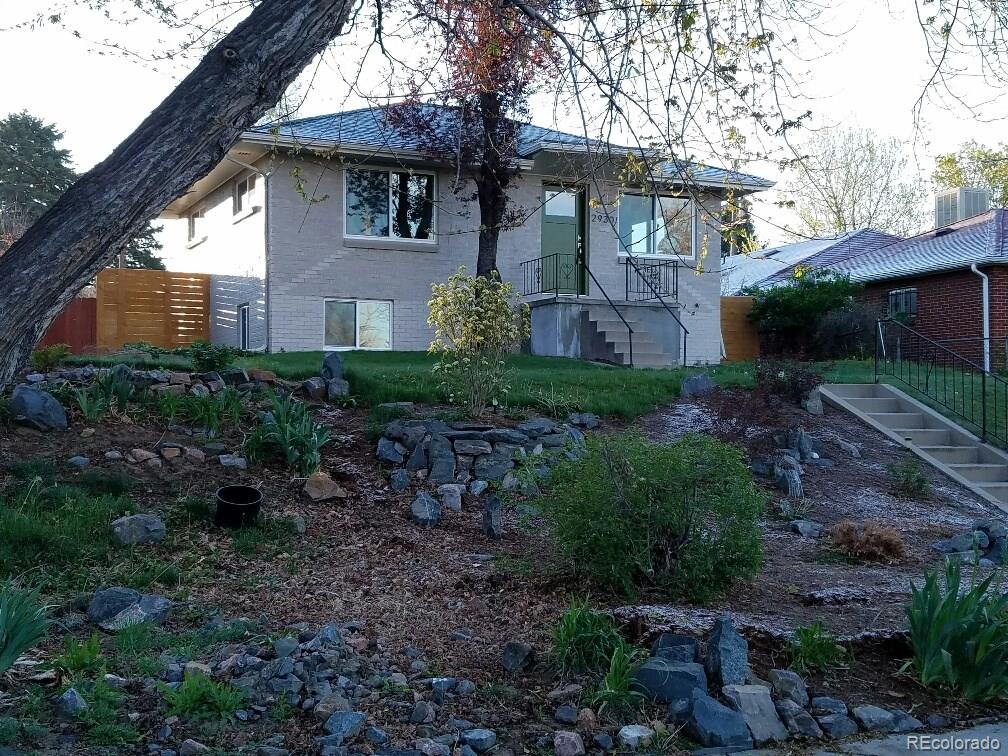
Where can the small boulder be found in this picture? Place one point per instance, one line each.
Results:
(714, 725)
(332, 366)
(321, 487)
(399, 480)
(903, 722)
(874, 718)
(133, 530)
(798, 721)
(480, 739)
(115, 608)
(233, 460)
(451, 496)
(345, 725)
(788, 684)
(566, 714)
(314, 388)
(79, 461)
(676, 648)
(36, 409)
(666, 681)
(426, 510)
(585, 420)
(567, 743)
(753, 702)
(635, 736)
(696, 385)
(390, 451)
(335, 388)
(71, 704)
(806, 528)
(493, 517)
(837, 726)
(517, 656)
(727, 655)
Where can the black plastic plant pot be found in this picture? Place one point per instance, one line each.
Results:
(237, 506)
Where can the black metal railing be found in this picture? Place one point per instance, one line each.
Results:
(651, 279)
(943, 377)
(631, 262)
(553, 274)
(565, 274)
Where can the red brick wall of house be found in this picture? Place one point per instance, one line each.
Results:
(949, 309)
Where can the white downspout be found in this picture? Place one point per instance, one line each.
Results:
(985, 304)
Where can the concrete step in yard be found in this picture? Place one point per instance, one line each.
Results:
(933, 437)
(648, 351)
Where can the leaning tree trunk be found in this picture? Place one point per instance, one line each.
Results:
(176, 145)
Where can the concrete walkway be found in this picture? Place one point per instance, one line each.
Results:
(990, 738)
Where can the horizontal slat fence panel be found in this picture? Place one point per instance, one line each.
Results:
(741, 341)
(163, 308)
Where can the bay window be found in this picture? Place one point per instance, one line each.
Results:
(389, 204)
(651, 224)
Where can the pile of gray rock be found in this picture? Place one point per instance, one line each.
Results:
(711, 690)
(460, 458)
(985, 543)
(330, 384)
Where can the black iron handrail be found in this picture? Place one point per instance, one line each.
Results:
(653, 278)
(944, 377)
(533, 276)
(685, 331)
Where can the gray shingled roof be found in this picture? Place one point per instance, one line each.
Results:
(842, 249)
(981, 239)
(369, 128)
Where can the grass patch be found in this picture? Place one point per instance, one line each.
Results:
(614, 696)
(200, 698)
(15, 731)
(80, 656)
(909, 479)
(813, 647)
(584, 640)
(262, 537)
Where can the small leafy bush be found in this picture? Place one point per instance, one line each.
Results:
(871, 542)
(584, 640)
(846, 333)
(909, 479)
(115, 389)
(477, 322)
(813, 647)
(214, 412)
(293, 435)
(554, 403)
(209, 358)
(91, 404)
(615, 697)
(80, 656)
(960, 639)
(787, 379)
(199, 697)
(23, 623)
(681, 517)
(46, 358)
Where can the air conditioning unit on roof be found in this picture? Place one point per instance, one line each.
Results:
(959, 204)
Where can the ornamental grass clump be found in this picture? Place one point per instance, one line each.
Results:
(679, 518)
(477, 322)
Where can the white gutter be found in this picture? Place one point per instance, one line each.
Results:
(264, 347)
(985, 304)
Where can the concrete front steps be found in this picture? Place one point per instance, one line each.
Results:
(930, 435)
(647, 349)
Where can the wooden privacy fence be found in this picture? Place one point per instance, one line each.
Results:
(160, 307)
(741, 341)
(76, 326)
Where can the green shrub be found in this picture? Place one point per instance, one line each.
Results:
(681, 517)
(908, 478)
(584, 640)
(788, 316)
(960, 640)
(46, 358)
(23, 623)
(199, 697)
(615, 697)
(477, 322)
(847, 333)
(115, 389)
(293, 435)
(813, 647)
(80, 656)
(214, 412)
(209, 358)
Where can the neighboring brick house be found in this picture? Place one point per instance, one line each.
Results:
(929, 282)
(335, 227)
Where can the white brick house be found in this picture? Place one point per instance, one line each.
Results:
(327, 232)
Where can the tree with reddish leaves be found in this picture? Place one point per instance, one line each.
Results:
(492, 59)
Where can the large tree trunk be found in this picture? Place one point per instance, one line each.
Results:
(176, 145)
(492, 181)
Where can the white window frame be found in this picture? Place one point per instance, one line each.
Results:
(244, 326)
(192, 230)
(432, 239)
(357, 303)
(623, 252)
(237, 206)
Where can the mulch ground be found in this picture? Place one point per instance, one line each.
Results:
(362, 558)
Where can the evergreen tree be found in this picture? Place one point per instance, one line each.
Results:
(34, 172)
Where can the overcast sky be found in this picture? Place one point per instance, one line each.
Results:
(868, 77)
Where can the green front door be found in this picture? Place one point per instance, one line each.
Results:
(563, 240)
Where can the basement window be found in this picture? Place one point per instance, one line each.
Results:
(903, 302)
(357, 324)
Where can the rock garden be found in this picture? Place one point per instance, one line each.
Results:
(741, 568)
